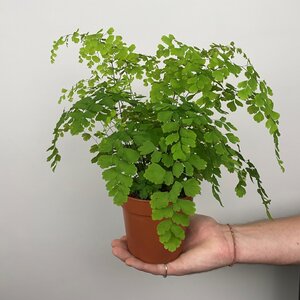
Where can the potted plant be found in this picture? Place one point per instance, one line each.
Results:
(156, 149)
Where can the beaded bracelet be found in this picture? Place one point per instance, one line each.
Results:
(234, 246)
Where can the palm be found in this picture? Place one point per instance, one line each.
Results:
(205, 248)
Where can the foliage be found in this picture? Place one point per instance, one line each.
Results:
(164, 145)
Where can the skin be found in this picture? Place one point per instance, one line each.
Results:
(210, 245)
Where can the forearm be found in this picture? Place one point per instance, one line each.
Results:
(269, 242)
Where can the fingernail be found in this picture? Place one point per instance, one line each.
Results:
(128, 264)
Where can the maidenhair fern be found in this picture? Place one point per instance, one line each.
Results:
(162, 146)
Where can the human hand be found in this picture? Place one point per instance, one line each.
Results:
(208, 245)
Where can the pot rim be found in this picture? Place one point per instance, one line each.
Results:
(148, 200)
(140, 206)
(138, 199)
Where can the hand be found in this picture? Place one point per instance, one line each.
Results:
(208, 245)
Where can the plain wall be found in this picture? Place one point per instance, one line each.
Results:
(56, 228)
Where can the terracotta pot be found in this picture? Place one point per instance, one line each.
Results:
(142, 239)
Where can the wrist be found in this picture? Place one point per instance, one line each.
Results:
(229, 235)
(234, 259)
(250, 247)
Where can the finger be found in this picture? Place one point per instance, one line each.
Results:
(155, 269)
(121, 253)
(122, 242)
(123, 238)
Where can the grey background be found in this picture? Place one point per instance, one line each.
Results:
(56, 229)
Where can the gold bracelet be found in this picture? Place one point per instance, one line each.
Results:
(234, 246)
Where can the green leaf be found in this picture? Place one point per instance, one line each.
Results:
(231, 126)
(169, 178)
(269, 123)
(156, 156)
(129, 155)
(242, 84)
(176, 207)
(146, 148)
(178, 231)
(164, 238)
(220, 149)
(86, 136)
(172, 244)
(110, 30)
(187, 133)
(244, 93)
(191, 187)
(193, 88)
(120, 198)
(208, 137)
(95, 58)
(164, 116)
(258, 117)
(275, 115)
(159, 200)
(270, 92)
(167, 160)
(187, 142)
(110, 40)
(188, 207)
(75, 38)
(54, 152)
(175, 191)
(159, 214)
(259, 100)
(239, 103)
(76, 127)
(172, 138)
(177, 152)
(218, 75)
(52, 147)
(177, 169)
(231, 105)
(124, 179)
(252, 109)
(105, 146)
(131, 48)
(197, 162)
(155, 173)
(115, 187)
(240, 190)
(189, 170)
(175, 84)
(127, 168)
(232, 138)
(180, 219)
(110, 174)
(105, 161)
(162, 144)
(273, 128)
(187, 121)
(253, 84)
(164, 226)
(166, 40)
(169, 127)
